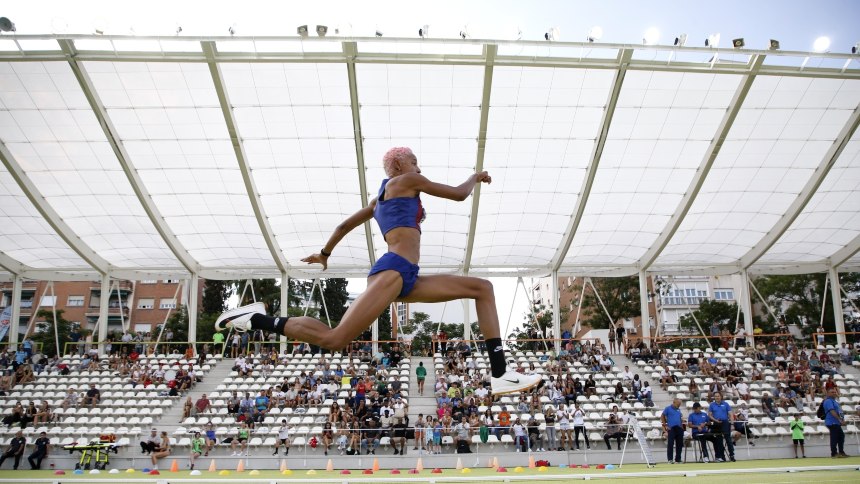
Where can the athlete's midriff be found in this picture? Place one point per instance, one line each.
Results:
(405, 242)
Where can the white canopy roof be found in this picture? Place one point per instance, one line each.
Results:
(236, 157)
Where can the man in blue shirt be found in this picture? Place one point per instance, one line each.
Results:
(833, 419)
(721, 413)
(672, 424)
(699, 422)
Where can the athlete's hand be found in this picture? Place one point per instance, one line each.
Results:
(483, 177)
(317, 259)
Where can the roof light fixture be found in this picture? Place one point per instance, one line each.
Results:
(738, 43)
(856, 48)
(302, 30)
(378, 33)
(322, 30)
(7, 25)
(651, 36)
(821, 44)
(595, 33)
(424, 31)
(713, 41)
(553, 34)
(774, 44)
(681, 40)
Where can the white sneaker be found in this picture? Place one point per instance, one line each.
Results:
(239, 318)
(706, 460)
(513, 382)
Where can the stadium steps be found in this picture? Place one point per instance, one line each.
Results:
(660, 397)
(172, 418)
(422, 404)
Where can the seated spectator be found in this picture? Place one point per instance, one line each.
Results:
(613, 431)
(243, 433)
(521, 442)
(42, 446)
(743, 390)
(44, 414)
(369, 437)
(92, 396)
(211, 440)
(461, 437)
(699, 422)
(261, 406)
(16, 416)
(535, 436)
(163, 450)
(202, 405)
(768, 406)
(15, 450)
(645, 395)
(150, 443)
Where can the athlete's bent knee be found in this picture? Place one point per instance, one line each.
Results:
(483, 288)
(334, 340)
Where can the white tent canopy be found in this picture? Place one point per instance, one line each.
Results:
(235, 157)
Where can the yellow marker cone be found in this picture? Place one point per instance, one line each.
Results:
(286, 472)
(311, 472)
(330, 466)
(225, 472)
(130, 471)
(531, 462)
(419, 465)
(174, 466)
(254, 473)
(212, 467)
(466, 470)
(240, 467)
(375, 464)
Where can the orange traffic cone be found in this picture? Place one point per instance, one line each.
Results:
(531, 462)
(330, 466)
(419, 465)
(490, 463)
(375, 464)
(212, 467)
(240, 467)
(174, 466)
(283, 465)
(495, 462)
(459, 464)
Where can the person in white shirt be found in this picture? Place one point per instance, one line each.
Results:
(743, 390)
(283, 438)
(521, 440)
(564, 435)
(579, 427)
(627, 376)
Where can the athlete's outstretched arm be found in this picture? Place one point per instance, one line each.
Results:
(458, 193)
(340, 232)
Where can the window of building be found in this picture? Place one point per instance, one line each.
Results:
(167, 304)
(149, 281)
(48, 301)
(75, 301)
(145, 303)
(724, 294)
(171, 281)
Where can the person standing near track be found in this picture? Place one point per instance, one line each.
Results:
(399, 213)
(796, 426)
(720, 412)
(672, 421)
(833, 419)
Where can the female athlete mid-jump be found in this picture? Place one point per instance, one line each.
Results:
(399, 213)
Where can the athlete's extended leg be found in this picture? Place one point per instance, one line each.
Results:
(382, 289)
(442, 287)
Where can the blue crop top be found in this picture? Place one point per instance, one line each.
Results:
(398, 211)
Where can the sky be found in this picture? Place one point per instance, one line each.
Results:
(795, 23)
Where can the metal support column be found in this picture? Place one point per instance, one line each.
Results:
(374, 329)
(102, 323)
(467, 324)
(17, 284)
(556, 313)
(836, 294)
(643, 306)
(285, 307)
(193, 290)
(746, 307)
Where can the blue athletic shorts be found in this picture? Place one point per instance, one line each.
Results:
(393, 262)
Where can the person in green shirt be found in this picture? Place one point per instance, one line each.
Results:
(198, 443)
(421, 374)
(796, 426)
(218, 339)
(241, 440)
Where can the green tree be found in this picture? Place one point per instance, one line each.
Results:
(619, 294)
(335, 296)
(709, 311)
(801, 296)
(44, 333)
(537, 318)
(215, 294)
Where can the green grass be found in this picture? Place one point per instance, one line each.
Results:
(770, 478)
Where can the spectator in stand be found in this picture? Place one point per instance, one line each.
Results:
(461, 436)
(613, 349)
(150, 443)
(549, 419)
(163, 450)
(211, 439)
(15, 449)
(720, 413)
(370, 437)
(521, 441)
(769, 407)
(743, 390)
(613, 431)
(203, 405)
(43, 414)
(535, 436)
(43, 445)
(399, 437)
(241, 440)
(284, 438)
(504, 422)
(796, 427)
(834, 418)
(421, 374)
(699, 422)
(198, 443)
(645, 395)
(92, 397)
(620, 333)
(261, 406)
(672, 421)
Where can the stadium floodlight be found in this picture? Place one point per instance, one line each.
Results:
(774, 44)
(178, 29)
(464, 34)
(738, 43)
(856, 48)
(302, 30)
(651, 36)
(553, 34)
(7, 25)
(322, 30)
(424, 31)
(595, 33)
(232, 30)
(681, 40)
(821, 44)
(378, 33)
(712, 41)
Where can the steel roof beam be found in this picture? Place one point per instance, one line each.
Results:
(242, 159)
(349, 49)
(131, 173)
(704, 167)
(846, 253)
(489, 60)
(622, 63)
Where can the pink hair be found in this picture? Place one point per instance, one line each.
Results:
(393, 155)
